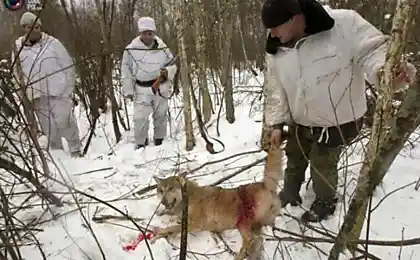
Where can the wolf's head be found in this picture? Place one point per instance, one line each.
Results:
(169, 191)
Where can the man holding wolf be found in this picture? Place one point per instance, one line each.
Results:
(147, 69)
(317, 62)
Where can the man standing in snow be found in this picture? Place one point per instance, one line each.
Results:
(49, 76)
(145, 61)
(317, 59)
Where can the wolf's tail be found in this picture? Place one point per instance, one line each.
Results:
(273, 171)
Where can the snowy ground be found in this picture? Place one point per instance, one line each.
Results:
(114, 178)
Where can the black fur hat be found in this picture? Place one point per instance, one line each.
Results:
(277, 12)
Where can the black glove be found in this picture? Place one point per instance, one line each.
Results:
(176, 90)
(272, 44)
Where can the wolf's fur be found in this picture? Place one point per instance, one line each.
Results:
(247, 207)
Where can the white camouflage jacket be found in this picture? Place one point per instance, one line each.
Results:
(144, 64)
(48, 68)
(321, 81)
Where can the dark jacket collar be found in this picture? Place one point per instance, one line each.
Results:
(316, 17)
(317, 20)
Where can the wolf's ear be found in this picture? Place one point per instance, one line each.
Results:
(157, 180)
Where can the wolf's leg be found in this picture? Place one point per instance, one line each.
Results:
(164, 233)
(173, 230)
(164, 211)
(256, 246)
(247, 237)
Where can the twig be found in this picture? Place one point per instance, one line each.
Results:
(184, 221)
(368, 222)
(227, 248)
(402, 239)
(224, 159)
(417, 187)
(103, 218)
(92, 171)
(246, 167)
(152, 187)
(392, 192)
(387, 243)
(145, 190)
(108, 205)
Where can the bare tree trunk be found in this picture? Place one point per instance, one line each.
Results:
(226, 43)
(265, 130)
(248, 64)
(107, 63)
(206, 102)
(180, 24)
(385, 142)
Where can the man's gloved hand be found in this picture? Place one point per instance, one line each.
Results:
(406, 74)
(156, 86)
(129, 97)
(176, 91)
(163, 74)
(275, 139)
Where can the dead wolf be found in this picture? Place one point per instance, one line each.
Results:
(247, 207)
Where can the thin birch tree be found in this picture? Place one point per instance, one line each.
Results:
(389, 133)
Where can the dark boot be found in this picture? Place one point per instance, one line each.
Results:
(138, 146)
(56, 146)
(292, 198)
(76, 154)
(320, 210)
(324, 161)
(158, 141)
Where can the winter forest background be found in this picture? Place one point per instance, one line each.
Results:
(54, 207)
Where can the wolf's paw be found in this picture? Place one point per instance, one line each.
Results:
(156, 235)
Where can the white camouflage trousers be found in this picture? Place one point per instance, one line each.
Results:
(56, 118)
(147, 103)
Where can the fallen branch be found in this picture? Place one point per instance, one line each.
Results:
(152, 187)
(226, 245)
(417, 187)
(108, 205)
(56, 216)
(246, 167)
(224, 159)
(92, 171)
(304, 239)
(103, 218)
(389, 194)
(41, 189)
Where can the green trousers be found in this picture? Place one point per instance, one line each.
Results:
(303, 148)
